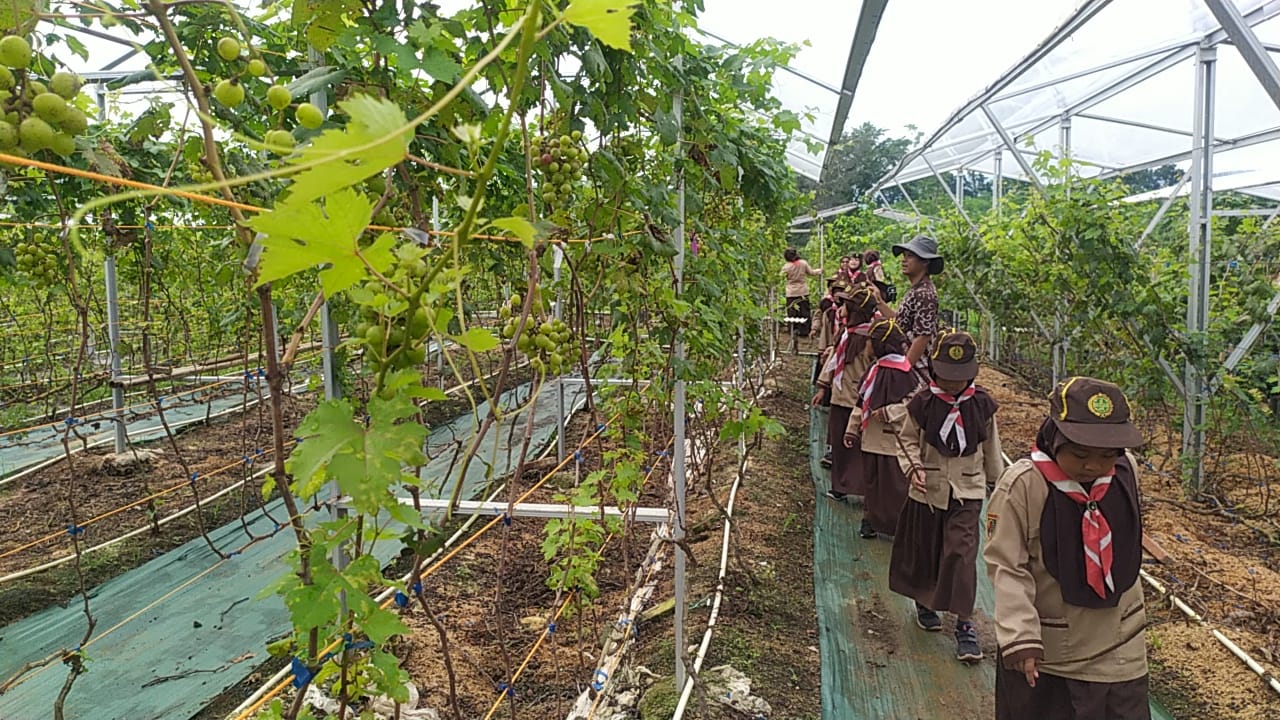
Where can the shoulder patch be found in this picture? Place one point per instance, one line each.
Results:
(991, 523)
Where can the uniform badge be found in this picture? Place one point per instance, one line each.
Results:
(956, 352)
(1101, 405)
(991, 523)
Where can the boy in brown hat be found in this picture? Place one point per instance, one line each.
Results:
(1064, 546)
(839, 382)
(950, 453)
(875, 424)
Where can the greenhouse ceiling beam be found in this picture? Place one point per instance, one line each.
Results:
(1247, 43)
(1256, 212)
(821, 214)
(1078, 19)
(1138, 124)
(1048, 84)
(864, 36)
(1013, 146)
(1163, 210)
(785, 68)
(1244, 141)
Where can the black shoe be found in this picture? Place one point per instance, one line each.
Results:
(928, 620)
(825, 461)
(866, 532)
(967, 647)
(837, 496)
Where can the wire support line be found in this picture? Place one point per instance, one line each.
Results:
(232, 204)
(129, 506)
(427, 572)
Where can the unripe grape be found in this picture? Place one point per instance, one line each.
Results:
(228, 49)
(279, 97)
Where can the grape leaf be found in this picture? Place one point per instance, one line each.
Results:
(477, 340)
(374, 139)
(301, 235)
(608, 20)
(519, 227)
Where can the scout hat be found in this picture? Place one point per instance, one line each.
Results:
(1093, 413)
(955, 357)
(923, 247)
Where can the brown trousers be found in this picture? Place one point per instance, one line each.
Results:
(1059, 698)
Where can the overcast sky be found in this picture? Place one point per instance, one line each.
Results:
(929, 57)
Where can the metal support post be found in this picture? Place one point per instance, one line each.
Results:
(1200, 252)
(960, 186)
(997, 181)
(822, 249)
(1013, 148)
(558, 313)
(678, 407)
(113, 336)
(435, 226)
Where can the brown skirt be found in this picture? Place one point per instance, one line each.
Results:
(848, 469)
(935, 555)
(886, 491)
(1059, 698)
(798, 308)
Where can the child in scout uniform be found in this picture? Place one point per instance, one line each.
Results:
(876, 424)
(1064, 546)
(950, 453)
(828, 334)
(840, 378)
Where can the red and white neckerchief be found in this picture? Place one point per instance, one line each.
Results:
(954, 422)
(893, 361)
(835, 363)
(1093, 527)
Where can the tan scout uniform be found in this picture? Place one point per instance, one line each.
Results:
(1095, 645)
(886, 486)
(963, 477)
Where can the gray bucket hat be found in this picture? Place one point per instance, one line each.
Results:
(923, 247)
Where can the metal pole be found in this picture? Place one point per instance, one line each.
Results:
(997, 182)
(113, 336)
(773, 326)
(1194, 415)
(435, 226)
(740, 381)
(1164, 208)
(678, 406)
(960, 187)
(822, 249)
(558, 313)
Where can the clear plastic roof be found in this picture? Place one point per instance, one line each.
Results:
(1123, 72)
(813, 86)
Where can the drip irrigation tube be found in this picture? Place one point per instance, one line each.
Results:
(687, 692)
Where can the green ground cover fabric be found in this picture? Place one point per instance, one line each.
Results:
(876, 664)
(173, 659)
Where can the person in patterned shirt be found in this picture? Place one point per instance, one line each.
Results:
(918, 311)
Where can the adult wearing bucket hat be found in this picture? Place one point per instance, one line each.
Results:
(1064, 547)
(918, 311)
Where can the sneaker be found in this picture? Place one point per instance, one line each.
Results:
(826, 461)
(866, 532)
(837, 496)
(928, 620)
(967, 648)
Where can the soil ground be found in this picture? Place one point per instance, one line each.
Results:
(34, 511)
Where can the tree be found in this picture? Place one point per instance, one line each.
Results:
(862, 157)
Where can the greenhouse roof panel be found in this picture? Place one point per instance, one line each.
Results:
(1124, 70)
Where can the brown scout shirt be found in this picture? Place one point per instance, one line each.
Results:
(1095, 645)
(879, 438)
(964, 478)
(847, 394)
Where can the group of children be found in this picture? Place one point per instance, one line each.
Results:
(1063, 528)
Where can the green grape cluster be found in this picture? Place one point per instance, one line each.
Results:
(546, 341)
(384, 326)
(560, 161)
(41, 258)
(36, 114)
(231, 93)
